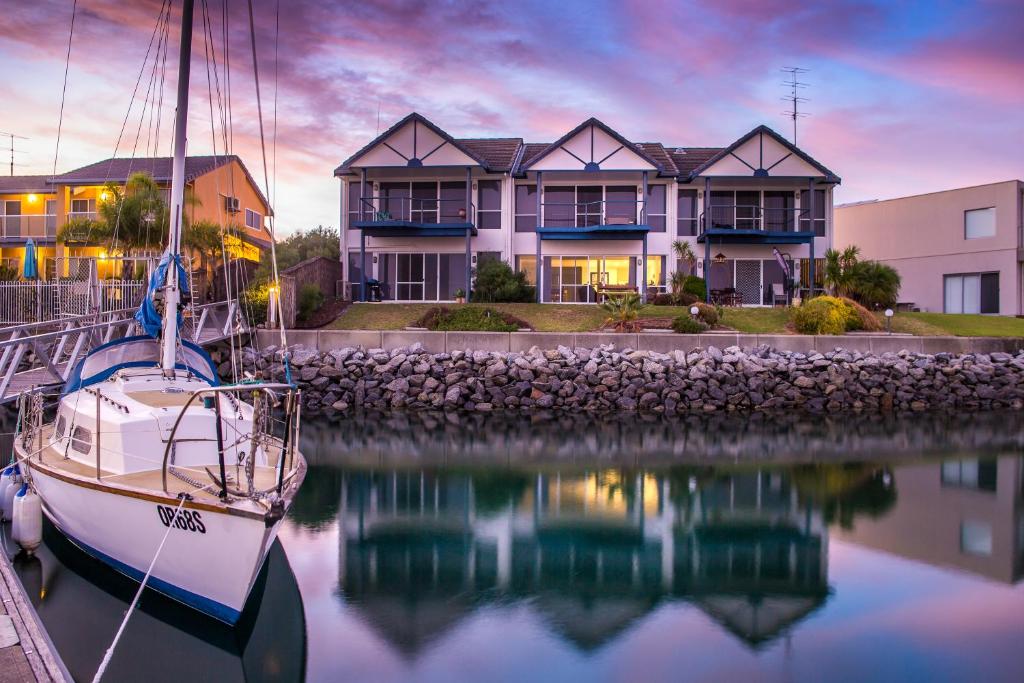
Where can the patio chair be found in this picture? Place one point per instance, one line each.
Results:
(778, 293)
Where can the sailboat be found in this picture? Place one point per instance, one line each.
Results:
(151, 464)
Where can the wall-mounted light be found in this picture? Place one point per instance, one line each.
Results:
(719, 257)
(104, 196)
(474, 185)
(639, 261)
(473, 259)
(33, 198)
(375, 260)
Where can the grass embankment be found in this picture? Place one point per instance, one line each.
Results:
(589, 318)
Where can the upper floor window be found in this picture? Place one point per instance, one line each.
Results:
(488, 204)
(253, 220)
(656, 207)
(686, 213)
(526, 208)
(355, 190)
(818, 219)
(979, 223)
(83, 205)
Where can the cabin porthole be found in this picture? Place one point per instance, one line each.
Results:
(81, 440)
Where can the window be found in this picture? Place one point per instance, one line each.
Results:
(83, 206)
(11, 218)
(976, 538)
(560, 206)
(81, 440)
(621, 204)
(483, 257)
(778, 211)
(253, 220)
(488, 204)
(424, 202)
(980, 475)
(61, 426)
(979, 223)
(51, 217)
(528, 265)
(453, 201)
(686, 213)
(971, 293)
(748, 210)
(656, 207)
(526, 208)
(656, 273)
(819, 212)
(393, 201)
(355, 188)
(723, 209)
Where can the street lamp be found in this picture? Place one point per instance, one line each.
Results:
(694, 311)
(888, 320)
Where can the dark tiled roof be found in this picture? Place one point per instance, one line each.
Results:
(657, 151)
(498, 153)
(119, 169)
(688, 158)
(25, 183)
(531, 150)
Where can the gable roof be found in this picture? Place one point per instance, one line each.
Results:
(499, 154)
(18, 184)
(119, 169)
(687, 159)
(763, 129)
(420, 119)
(592, 121)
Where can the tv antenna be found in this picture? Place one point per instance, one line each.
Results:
(13, 137)
(795, 85)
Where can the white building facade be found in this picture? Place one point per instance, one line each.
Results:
(420, 209)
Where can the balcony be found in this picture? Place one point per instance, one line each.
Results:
(400, 216)
(599, 219)
(754, 224)
(36, 226)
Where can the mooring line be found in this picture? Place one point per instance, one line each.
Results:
(138, 594)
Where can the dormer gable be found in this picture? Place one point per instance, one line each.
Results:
(592, 146)
(413, 142)
(763, 153)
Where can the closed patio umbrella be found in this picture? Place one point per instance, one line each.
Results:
(31, 270)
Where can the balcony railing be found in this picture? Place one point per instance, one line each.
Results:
(382, 209)
(589, 214)
(753, 217)
(32, 225)
(81, 216)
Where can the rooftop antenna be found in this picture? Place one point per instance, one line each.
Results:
(794, 98)
(13, 137)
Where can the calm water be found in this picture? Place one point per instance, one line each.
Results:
(436, 548)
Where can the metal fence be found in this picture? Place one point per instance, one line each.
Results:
(43, 301)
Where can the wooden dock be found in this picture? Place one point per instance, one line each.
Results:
(26, 653)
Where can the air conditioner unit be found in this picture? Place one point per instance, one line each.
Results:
(232, 205)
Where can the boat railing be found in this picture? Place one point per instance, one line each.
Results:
(268, 390)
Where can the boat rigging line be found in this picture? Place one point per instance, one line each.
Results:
(64, 89)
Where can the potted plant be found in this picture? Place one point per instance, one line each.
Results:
(460, 296)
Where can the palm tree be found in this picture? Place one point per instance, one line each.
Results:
(684, 252)
(622, 311)
(839, 268)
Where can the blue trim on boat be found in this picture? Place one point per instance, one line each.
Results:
(197, 602)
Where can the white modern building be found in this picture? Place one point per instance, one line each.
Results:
(957, 251)
(420, 208)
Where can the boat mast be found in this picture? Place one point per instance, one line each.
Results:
(172, 290)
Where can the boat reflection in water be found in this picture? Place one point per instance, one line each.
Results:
(81, 602)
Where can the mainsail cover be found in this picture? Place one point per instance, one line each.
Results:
(147, 316)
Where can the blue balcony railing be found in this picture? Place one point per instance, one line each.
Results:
(589, 214)
(415, 210)
(754, 217)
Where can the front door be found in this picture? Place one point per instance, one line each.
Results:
(748, 281)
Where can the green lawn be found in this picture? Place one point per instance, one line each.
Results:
(587, 318)
(554, 317)
(932, 324)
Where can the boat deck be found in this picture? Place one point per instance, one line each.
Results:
(151, 481)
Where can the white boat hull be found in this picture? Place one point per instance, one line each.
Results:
(210, 564)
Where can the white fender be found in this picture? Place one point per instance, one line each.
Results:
(27, 529)
(12, 484)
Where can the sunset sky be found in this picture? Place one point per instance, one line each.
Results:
(904, 97)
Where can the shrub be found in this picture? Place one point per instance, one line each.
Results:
(622, 311)
(310, 299)
(873, 284)
(695, 286)
(861, 318)
(707, 314)
(254, 302)
(825, 315)
(686, 299)
(469, 319)
(662, 300)
(684, 324)
(497, 282)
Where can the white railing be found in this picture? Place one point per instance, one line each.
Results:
(45, 301)
(29, 225)
(81, 215)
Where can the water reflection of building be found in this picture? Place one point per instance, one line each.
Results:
(591, 551)
(967, 514)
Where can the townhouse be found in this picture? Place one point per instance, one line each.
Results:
(588, 214)
(222, 191)
(957, 251)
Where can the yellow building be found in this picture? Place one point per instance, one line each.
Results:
(223, 190)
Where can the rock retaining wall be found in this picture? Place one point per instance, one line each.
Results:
(603, 379)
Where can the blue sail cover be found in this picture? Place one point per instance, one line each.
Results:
(147, 315)
(137, 352)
